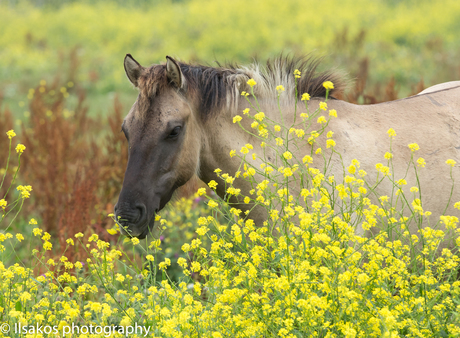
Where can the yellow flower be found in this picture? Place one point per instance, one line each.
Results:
(279, 141)
(299, 132)
(165, 264)
(20, 148)
(277, 128)
(201, 191)
(112, 231)
(333, 113)
(237, 118)
(119, 277)
(212, 184)
(78, 235)
(451, 162)
(280, 89)
(47, 245)
(421, 162)
(251, 171)
(307, 159)
(323, 105)
(251, 82)
(246, 111)
(330, 143)
(321, 120)
(244, 93)
(25, 190)
(150, 258)
(352, 169)
(213, 204)
(305, 97)
(287, 155)
(388, 155)
(259, 116)
(232, 153)
(401, 182)
(70, 241)
(19, 237)
(3, 204)
(11, 134)
(328, 85)
(413, 147)
(391, 132)
(135, 240)
(297, 74)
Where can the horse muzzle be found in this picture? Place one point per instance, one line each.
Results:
(133, 220)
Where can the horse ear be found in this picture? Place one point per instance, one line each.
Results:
(174, 73)
(133, 69)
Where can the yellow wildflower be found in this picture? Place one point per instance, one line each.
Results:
(321, 120)
(251, 82)
(391, 132)
(259, 116)
(330, 143)
(237, 118)
(20, 148)
(413, 147)
(421, 162)
(328, 85)
(451, 162)
(287, 155)
(305, 97)
(213, 204)
(11, 134)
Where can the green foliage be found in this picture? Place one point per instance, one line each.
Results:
(408, 39)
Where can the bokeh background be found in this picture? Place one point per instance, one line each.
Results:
(64, 91)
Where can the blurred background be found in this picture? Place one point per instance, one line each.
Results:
(64, 91)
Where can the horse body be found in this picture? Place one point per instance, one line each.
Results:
(160, 160)
(360, 132)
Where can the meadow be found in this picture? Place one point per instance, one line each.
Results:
(208, 272)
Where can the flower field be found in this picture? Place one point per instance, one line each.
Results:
(209, 271)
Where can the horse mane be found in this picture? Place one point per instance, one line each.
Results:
(216, 88)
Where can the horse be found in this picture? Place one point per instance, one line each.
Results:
(181, 125)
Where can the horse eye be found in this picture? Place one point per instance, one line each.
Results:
(175, 132)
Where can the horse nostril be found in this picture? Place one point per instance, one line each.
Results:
(142, 209)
